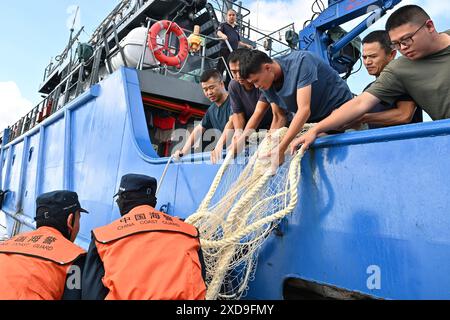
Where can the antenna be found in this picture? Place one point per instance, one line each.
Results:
(71, 35)
(257, 14)
(75, 19)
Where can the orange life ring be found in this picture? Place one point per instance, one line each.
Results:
(158, 50)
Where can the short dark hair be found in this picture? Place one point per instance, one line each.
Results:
(380, 36)
(58, 222)
(212, 73)
(126, 201)
(252, 63)
(407, 14)
(238, 55)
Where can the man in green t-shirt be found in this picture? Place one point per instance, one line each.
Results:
(423, 73)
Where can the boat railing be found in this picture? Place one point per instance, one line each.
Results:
(122, 10)
(222, 6)
(282, 48)
(81, 75)
(64, 92)
(273, 45)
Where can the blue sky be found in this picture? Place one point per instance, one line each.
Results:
(31, 33)
(34, 31)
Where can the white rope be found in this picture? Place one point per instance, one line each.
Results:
(163, 175)
(236, 222)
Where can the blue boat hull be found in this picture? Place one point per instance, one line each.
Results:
(373, 210)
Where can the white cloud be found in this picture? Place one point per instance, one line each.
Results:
(377, 25)
(436, 9)
(12, 105)
(272, 15)
(74, 18)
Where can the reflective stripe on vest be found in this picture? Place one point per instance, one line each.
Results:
(44, 243)
(142, 219)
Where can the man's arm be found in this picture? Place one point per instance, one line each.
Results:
(303, 112)
(347, 113)
(222, 35)
(401, 114)
(238, 120)
(239, 125)
(243, 44)
(279, 119)
(216, 154)
(300, 118)
(193, 138)
(253, 123)
(257, 116)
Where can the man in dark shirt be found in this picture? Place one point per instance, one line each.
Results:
(228, 31)
(422, 73)
(299, 82)
(250, 108)
(246, 99)
(377, 54)
(218, 114)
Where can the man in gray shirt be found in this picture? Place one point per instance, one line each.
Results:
(423, 73)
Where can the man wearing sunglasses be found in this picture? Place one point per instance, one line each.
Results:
(423, 73)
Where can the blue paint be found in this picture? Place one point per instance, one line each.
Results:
(372, 200)
(336, 14)
(382, 204)
(377, 197)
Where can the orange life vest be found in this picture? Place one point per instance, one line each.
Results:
(148, 255)
(34, 265)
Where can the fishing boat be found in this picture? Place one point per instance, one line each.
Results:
(372, 219)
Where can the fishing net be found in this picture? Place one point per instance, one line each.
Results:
(244, 204)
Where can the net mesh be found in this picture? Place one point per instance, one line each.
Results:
(244, 204)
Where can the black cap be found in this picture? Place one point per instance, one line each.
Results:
(57, 203)
(137, 183)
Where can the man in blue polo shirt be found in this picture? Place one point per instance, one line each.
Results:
(250, 108)
(300, 83)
